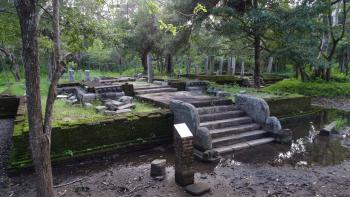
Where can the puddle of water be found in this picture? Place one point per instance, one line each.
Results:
(308, 148)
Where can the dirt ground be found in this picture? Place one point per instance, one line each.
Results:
(128, 175)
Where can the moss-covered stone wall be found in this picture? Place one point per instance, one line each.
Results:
(288, 105)
(8, 106)
(88, 138)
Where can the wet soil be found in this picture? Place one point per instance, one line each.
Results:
(128, 175)
(6, 127)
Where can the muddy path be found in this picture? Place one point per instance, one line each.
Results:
(129, 175)
(6, 127)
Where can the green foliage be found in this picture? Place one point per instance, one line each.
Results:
(315, 88)
(340, 124)
(199, 8)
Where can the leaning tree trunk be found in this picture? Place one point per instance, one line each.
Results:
(144, 61)
(14, 68)
(39, 141)
(257, 53)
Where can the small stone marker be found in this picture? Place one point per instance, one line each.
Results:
(71, 75)
(87, 75)
(158, 168)
(183, 143)
(197, 189)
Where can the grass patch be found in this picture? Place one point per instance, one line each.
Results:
(315, 88)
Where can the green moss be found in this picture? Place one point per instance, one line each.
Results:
(85, 138)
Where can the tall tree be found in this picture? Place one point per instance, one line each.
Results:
(39, 127)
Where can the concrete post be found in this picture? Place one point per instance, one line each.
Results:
(71, 75)
(149, 68)
(87, 75)
(269, 66)
(183, 143)
(233, 64)
(207, 65)
(242, 69)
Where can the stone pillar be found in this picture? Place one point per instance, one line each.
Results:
(229, 66)
(221, 65)
(269, 66)
(233, 65)
(242, 69)
(211, 64)
(149, 68)
(207, 65)
(196, 70)
(71, 75)
(183, 143)
(87, 75)
(189, 64)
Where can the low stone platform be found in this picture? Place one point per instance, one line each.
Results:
(195, 98)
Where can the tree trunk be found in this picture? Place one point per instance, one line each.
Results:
(189, 65)
(257, 52)
(14, 68)
(144, 61)
(168, 63)
(39, 140)
(303, 74)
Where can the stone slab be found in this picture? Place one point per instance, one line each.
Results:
(197, 189)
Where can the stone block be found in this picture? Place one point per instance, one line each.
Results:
(100, 109)
(158, 167)
(88, 105)
(197, 189)
(127, 106)
(185, 113)
(109, 113)
(123, 111)
(222, 94)
(126, 99)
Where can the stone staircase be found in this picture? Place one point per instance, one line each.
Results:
(153, 89)
(231, 129)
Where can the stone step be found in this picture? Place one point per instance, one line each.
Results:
(216, 109)
(148, 87)
(217, 124)
(158, 90)
(235, 147)
(240, 137)
(220, 116)
(212, 102)
(234, 130)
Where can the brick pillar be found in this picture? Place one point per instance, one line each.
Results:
(183, 143)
